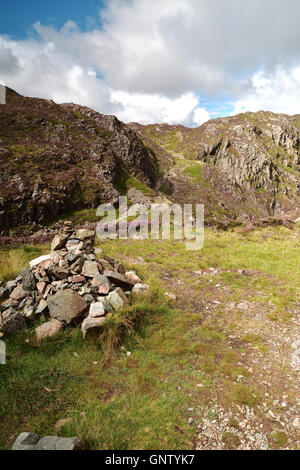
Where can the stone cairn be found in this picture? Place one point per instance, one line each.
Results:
(70, 286)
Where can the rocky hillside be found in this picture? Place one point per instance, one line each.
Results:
(56, 158)
(256, 156)
(59, 158)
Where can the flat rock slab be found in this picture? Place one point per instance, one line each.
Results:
(119, 280)
(66, 305)
(92, 324)
(30, 441)
(90, 269)
(37, 261)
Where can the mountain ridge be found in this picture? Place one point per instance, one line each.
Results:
(60, 157)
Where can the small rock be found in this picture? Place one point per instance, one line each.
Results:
(140, 288)
(117, 299)
(12, 324)
(41, 287)
(84, 234)
(18, 293)
(28, 280)
(133, 277)
(103, 284)
(78, 279)
(42, 306)
(170, 295)
(97, 310)
(58, 242)
(90, 269)
(49, 329)
(296, 423)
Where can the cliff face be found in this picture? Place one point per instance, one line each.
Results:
(56, 158)
(258, 154)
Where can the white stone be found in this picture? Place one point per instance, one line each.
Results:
(140, 288)
(133, 277)
(37, 261)
(97, 310)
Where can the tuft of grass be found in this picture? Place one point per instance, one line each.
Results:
(279, 439)
(12, 261)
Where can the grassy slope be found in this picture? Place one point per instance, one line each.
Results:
(141, 401)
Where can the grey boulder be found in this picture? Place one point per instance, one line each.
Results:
(31, 441)
(66, 305)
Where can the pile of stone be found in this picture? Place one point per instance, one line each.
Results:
(70, 286)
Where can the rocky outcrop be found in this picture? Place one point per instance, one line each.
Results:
(57, 158)
(68, 287)
(251, 157)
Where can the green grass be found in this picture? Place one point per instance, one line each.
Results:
(141, 401)
(195, 172)
(126, 182)
(13, 260)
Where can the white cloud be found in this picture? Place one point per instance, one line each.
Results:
(201, 115)
(153, 61)
(147, 109)
(278, 92)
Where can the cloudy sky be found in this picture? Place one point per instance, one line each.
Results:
(176, 61)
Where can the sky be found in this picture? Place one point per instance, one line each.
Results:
(149, 61)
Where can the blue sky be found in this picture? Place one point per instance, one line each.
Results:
(176, 61)
(18, 20)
